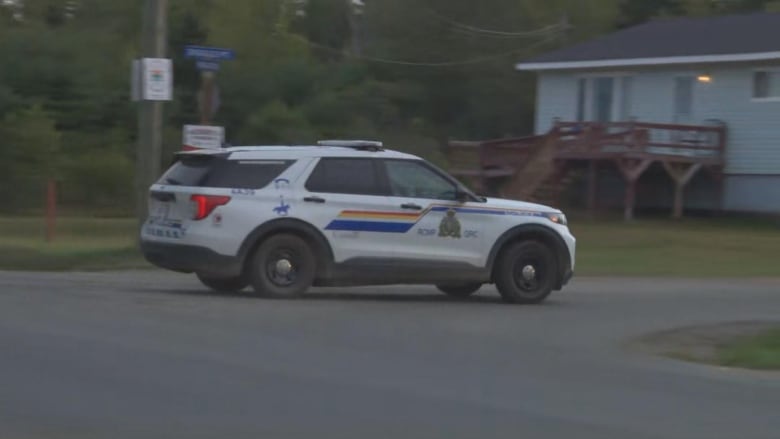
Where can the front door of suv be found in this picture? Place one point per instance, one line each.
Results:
(446, 229)
(347, 200)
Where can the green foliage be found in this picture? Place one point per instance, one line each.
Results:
(29, 156)
(411, 73)
(98, 178)
(277, 123)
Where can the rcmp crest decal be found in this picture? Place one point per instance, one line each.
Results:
(449, 226)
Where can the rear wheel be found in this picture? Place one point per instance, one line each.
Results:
(282, 266)
(223, 284)
(525, 272)
(459, 290)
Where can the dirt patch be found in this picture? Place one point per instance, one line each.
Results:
(700, 343)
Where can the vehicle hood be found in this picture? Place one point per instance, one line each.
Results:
(518, 205)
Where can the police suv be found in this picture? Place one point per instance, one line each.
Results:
(340, 213)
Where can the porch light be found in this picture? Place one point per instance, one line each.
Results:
(705, 78)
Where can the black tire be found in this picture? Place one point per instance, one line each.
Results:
(223, 284)
(459, 290)
(264, 267)
(538, 281)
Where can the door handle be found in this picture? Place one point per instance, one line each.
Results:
(411, 206)
(314, 199)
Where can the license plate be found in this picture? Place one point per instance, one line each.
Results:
(160, 210)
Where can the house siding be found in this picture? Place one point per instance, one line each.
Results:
(556, 96)
(753, 193)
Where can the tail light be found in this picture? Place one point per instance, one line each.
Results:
(205, 204)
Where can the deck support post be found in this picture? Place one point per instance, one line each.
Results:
(632, 169)
(592, 185)
(681, 173)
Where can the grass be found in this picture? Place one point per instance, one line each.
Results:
(760, 351)
(691, 247)
(80, 244)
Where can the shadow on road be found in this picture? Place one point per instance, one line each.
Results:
(331, 295)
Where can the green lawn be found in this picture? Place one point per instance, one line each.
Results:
(760, 351)
(692, 247)
(699, 247)
(80, 244)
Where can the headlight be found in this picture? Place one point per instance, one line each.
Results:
(557, 218)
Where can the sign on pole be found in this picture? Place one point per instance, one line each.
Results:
(156, 79)
(203, 137)
(207, 66)
(214, 54)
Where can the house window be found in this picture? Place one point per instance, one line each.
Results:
(604, 98)
(766, 84)
(683, 99)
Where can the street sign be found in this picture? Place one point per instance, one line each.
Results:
(204, 53)
(207, 66)
(203, 137)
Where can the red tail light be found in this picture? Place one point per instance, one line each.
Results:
(205, 204)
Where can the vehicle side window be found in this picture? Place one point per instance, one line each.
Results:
(345, 176)
(412, 178)
(246, 174)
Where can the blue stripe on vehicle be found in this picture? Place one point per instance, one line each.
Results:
(484, 211)
(369, 226)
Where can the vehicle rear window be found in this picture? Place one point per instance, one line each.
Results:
(211, 171)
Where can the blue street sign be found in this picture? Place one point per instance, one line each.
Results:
(207, 66)
(213, 54)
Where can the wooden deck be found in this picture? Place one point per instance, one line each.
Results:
(518, 167)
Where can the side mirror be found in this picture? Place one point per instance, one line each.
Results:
(462, 196)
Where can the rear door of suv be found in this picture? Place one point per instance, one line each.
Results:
(346, 198)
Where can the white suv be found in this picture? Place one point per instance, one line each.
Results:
(284, 218)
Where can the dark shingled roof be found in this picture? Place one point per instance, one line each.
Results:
(723, 35)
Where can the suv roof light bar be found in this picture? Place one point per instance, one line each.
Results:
(363, 145)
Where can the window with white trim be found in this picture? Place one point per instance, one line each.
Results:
(766, 84)
(604, 98)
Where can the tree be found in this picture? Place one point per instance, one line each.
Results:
(29, 156)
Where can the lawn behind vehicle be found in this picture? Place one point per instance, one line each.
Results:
(80, 243)
(688, 248)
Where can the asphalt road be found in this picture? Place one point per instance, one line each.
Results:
(153, 355)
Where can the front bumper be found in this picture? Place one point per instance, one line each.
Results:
(190, 258)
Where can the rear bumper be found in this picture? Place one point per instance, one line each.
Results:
(190, 258)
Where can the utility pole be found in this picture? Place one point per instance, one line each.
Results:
(355, 15)
(154, 40)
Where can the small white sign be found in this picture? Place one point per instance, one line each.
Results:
(157, 78)
(203, 137)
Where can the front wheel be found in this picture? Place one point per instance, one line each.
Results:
(459, 290)
(223, 284)
(282, 266)
(526, 272)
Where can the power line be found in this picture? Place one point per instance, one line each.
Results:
(468, 61)
(546, 30)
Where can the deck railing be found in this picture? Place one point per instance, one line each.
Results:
(596, 138)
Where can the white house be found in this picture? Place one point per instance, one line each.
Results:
(683, 71)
